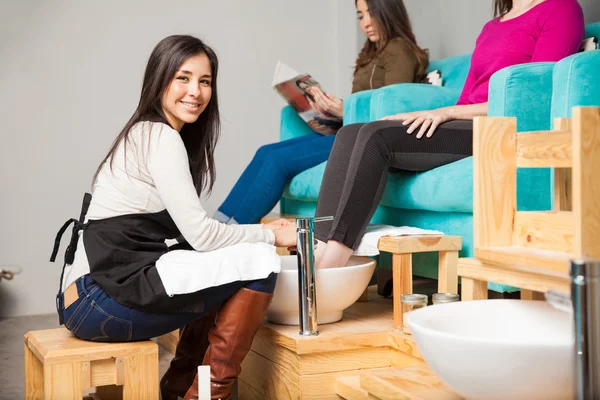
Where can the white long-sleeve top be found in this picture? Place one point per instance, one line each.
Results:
(150, 174)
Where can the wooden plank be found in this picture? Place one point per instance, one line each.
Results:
(247, 392)
(586, 184)
(544, 149)
(494, 180)
(402, 272)
(365, 325)
(401, 359)
(346, 360)
(274, 381)
(34, 375)
(169, 341)
(322, 386)
(406, 383)
(418, 244)
(63, 381)
(519, 256)
(473, 289)
(56, 346)
(563, 189)
(532, 295)
(349, 389)
(447, 275)
(537, 280)
(141, 377)
(563, 183)
(103, 373)
(404, 343)
(545, 230)
(267, 345)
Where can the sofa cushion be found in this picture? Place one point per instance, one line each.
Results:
(447, 188)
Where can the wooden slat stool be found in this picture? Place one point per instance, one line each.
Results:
(59, 366)
(531, 249)
(402, 249)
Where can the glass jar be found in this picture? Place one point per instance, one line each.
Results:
(411, 302)
(441, 298)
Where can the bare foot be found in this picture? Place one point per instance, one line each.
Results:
(336, 255)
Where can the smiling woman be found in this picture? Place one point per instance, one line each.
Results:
(189, 93)
(121, 282)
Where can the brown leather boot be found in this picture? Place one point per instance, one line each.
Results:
(191, 348)
(230, 340)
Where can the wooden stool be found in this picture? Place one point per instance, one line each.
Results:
(531, 249)
(60, 366)
(402, 249)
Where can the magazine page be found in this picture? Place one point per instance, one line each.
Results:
(295, 89)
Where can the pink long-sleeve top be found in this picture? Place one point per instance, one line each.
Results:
(550, 31)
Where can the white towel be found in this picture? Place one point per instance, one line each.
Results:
(368, 244)
(187, 271)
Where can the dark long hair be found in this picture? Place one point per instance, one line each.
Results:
(200, 137)
(501, 7)
(392, 21)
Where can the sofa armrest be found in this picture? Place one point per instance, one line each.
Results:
(357, 107)
(291, 125)
(406, 97)
(525, 92)
(576, 83)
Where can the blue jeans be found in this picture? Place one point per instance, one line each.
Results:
(95, 316)
(261, 185)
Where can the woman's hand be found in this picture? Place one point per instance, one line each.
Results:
(328, 103)
(427, 120)
(276, 224)
(285, 236)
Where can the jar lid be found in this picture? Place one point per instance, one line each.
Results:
(414, 298)
(445, 297)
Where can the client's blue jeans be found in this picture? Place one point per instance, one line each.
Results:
(261, 185)
(95, 316)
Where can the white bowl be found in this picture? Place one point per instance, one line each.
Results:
(498, 349)
(337, 289)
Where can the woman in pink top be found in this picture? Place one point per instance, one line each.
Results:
(523, 31)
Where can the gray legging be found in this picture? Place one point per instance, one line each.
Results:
(357, 170)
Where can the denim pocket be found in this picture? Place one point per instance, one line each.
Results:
(99, 326)
(74, 312)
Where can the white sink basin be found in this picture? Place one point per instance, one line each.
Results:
(337, 289)
(498, 349)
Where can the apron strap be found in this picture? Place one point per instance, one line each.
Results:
(70, 252)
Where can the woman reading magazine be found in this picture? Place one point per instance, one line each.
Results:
(390, 55)
(524, 31)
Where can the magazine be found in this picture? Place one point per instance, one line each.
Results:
(293, 87)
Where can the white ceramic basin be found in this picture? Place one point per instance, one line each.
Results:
(337, 289)
(498, 349)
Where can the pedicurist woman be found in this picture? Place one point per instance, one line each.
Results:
(390, 55)
(524, 31)
(121, 282)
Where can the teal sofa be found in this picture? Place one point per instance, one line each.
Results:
(442, 198)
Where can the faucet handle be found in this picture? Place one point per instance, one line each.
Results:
(309, 222)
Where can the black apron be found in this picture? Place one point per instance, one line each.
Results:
(122, 252)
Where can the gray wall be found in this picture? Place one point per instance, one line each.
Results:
(70, 77)
(450, 27)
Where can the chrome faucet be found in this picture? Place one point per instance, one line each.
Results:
(307, 290)
(585, 296)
